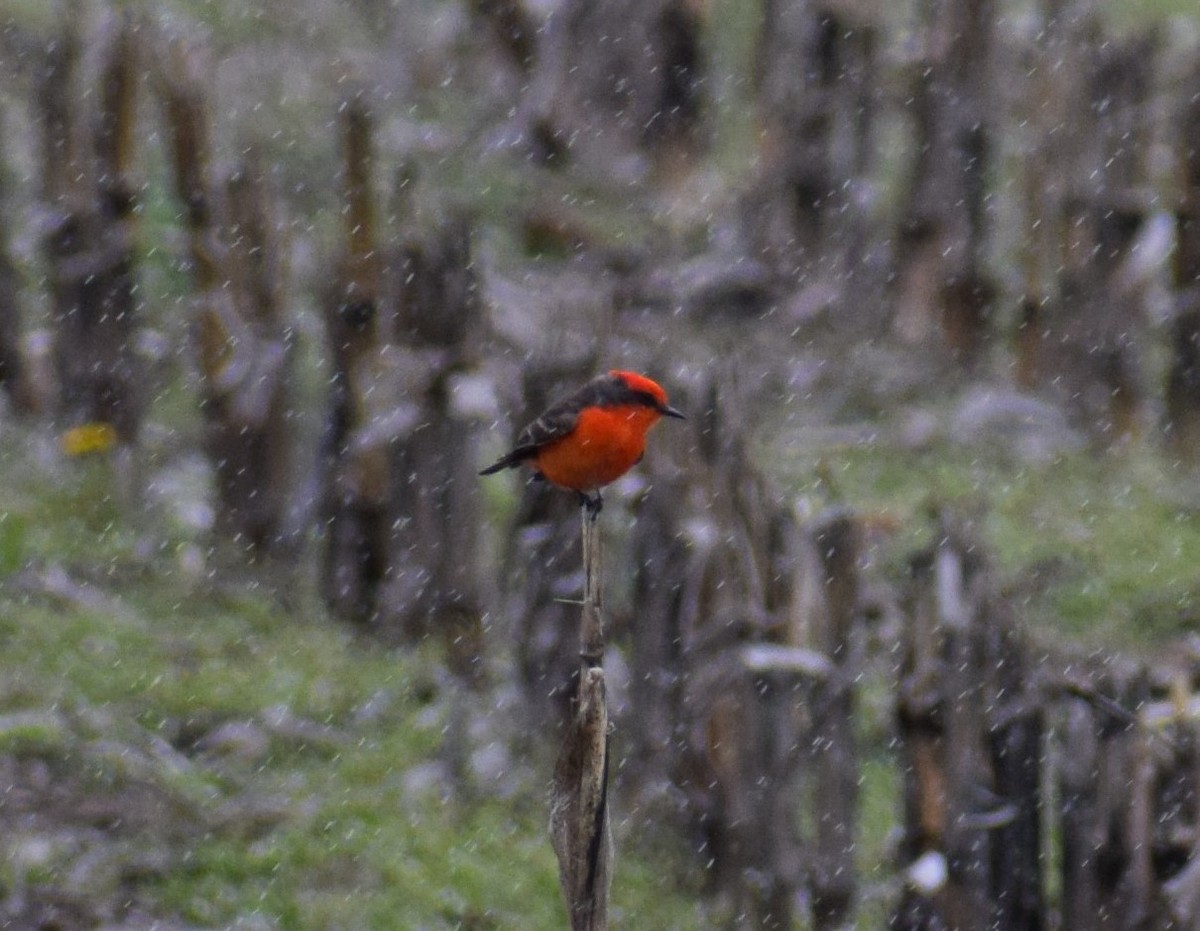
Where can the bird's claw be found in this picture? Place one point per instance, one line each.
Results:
(591, 504)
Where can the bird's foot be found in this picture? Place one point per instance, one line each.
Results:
(591, 504)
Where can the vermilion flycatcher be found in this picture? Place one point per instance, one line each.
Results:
(593, 437)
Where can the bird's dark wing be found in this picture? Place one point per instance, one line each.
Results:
(560, 418)
(556, 422)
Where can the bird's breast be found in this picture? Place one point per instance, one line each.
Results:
(605, 444)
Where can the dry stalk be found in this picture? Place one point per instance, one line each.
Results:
(579, 826)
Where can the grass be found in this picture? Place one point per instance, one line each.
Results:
(1101, 548)
(361, 829)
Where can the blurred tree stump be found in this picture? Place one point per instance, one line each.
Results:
(435, 585)
(972, 839)
(1083, 320)
(14, 379)
(942, 295)
(401, 508)
(89, 192)
(1016, 738)
(356, 446)
(1102, 882)
(816, 71)
(833, 873)
(986, 735)
(721, 666)
(1182, 395)
(664, 571)
(1172, 783)
(240, 324)
(1128, 779)
(513, 27)
(639, 91)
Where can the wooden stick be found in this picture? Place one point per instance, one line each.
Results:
(834, 879)
(579, 825)
(591, 634)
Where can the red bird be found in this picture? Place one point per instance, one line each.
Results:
(593, 437)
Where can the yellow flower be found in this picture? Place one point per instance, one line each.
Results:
(96, 437)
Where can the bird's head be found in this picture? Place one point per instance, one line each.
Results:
(646, 391)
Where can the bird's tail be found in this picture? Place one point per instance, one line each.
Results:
(512, 460)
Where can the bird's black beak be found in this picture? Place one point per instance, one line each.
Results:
(671, 412)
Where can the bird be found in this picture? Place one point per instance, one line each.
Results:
(592, 437)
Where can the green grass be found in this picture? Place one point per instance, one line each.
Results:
(360, 847)
(132, 653)
(1100, 548)
(367, 856)
(137, 646)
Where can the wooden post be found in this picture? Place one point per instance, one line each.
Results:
(664, 561)
(434, 583)
(971, 729)
(921, 722)
(579, 819)
(514, 29)
(724, 662)
(1087, 195)
(14, 379)
(1182, 400)
(238, 270)
(1016, 746)
(942, 292)
(834, 875)
(639, 91)
(1177, 829)
(1080, 896)
(356, 464)
(1123, 887)
(814, 78)
(968, 782)
(90, 244)
(1106, 802)
(1182, 395)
